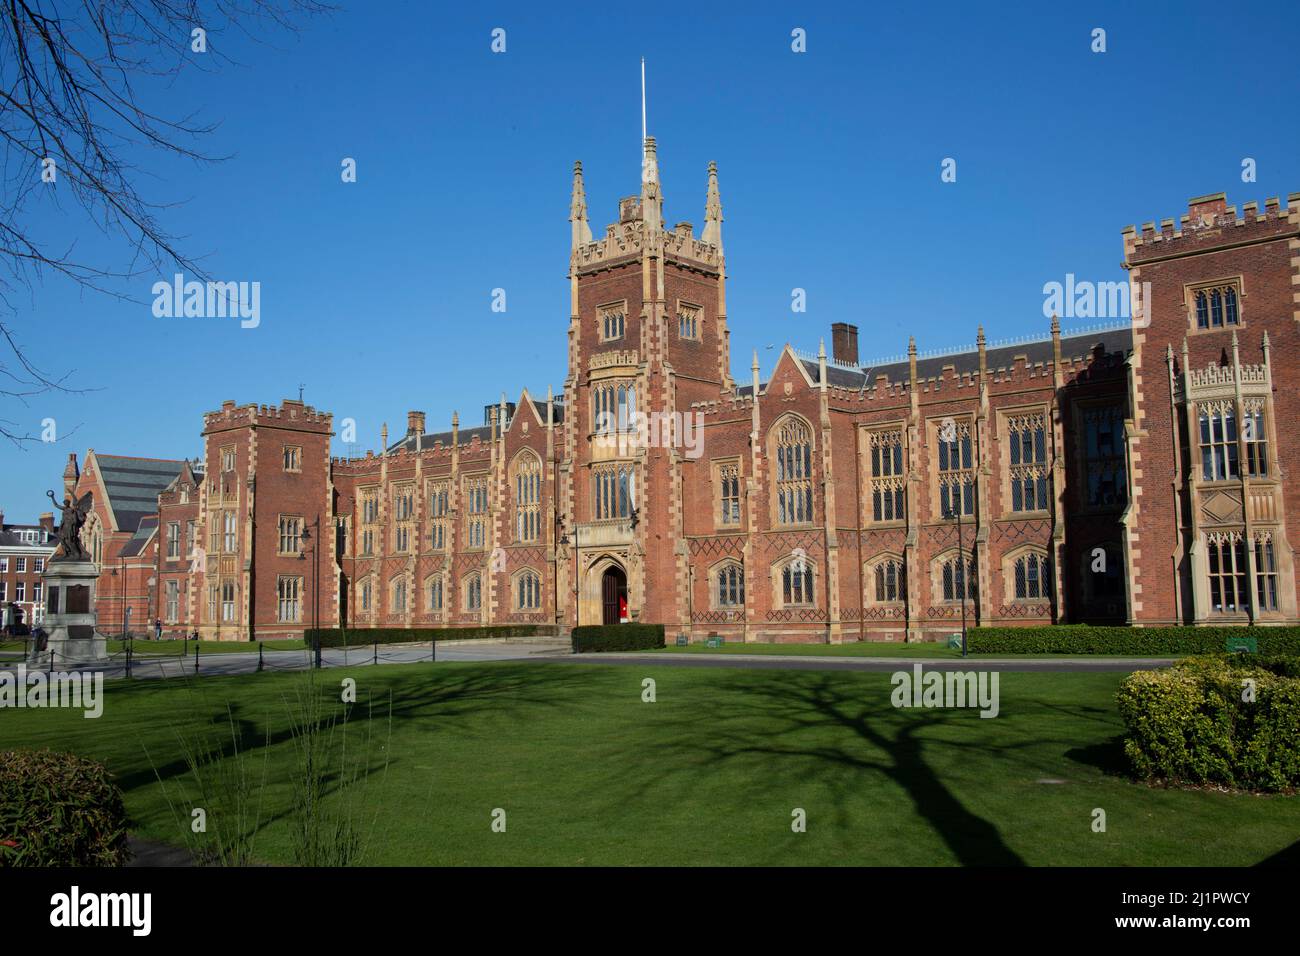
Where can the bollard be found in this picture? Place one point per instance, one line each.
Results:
(128, 659)
(196, 657)
(432, 645)
(318, 653)
(376, 657)
(259, 657)
(51, 660)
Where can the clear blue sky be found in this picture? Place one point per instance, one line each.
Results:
(376, 294)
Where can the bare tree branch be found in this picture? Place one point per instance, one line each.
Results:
(70, 94)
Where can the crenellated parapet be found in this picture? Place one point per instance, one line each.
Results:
(1209, 223)
(287, 413)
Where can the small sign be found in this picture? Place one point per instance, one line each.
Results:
(682, 640)
(1242, 644)
(714, 641)
(954, 641)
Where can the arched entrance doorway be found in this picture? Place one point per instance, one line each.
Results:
(613, 595)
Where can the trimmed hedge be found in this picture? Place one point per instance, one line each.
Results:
(58, 809)
(356, 637)
(1189, 723)
(595, 638)
(1124, 640)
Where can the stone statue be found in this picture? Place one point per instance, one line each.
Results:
(74, 517)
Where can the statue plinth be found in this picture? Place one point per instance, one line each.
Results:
(70, 614)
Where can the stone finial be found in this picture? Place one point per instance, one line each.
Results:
(713, 210)
(911, 345)
(652, 209)
(979, 336)
(1056, 326)
(650, 162)
(578, 210)
(383, 438)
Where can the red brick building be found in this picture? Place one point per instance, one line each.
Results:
(121, 533)
(1128, 474)
(24, 550)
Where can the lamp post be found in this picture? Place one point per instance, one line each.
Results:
(302, 555)
(121, 592)
(564, 540)
(951, 513)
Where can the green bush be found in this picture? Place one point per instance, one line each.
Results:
(1123, 640)
(58, 809)
(617, 637)
(355, 637)
(1190, 724)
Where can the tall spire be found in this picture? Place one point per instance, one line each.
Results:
(578, 210)
(652, 203)
(713, 211)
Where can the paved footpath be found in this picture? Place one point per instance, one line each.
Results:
(556, 651)
(214, 665)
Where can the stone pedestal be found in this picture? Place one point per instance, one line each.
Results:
(70, 614)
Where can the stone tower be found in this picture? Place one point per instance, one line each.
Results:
(647, 339)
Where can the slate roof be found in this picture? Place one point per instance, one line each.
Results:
(140, 540)
(1076, 344)
(9, 537)
(484, 432)
(133, 485)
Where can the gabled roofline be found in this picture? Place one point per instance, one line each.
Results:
(788, 352)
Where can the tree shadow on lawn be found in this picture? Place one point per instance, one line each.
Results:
(804, 701)
(1290, 856)
(1107, 756)
(240, 724)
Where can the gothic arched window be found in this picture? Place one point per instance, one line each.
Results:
(794, 487)
(730, 579)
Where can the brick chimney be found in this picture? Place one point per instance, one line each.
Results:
(47, 520)
(415, 423)
(70, 473)
(844, 343)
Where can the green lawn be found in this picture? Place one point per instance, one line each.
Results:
(709, 774)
